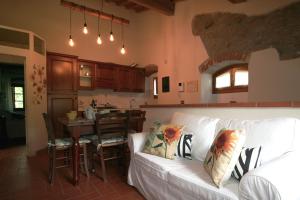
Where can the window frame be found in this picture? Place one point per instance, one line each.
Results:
(232, 88)
(13, 97)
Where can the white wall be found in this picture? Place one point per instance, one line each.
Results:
(272, 79)
(51, 21)
(36, 136)
(169, 43)
(151, 38)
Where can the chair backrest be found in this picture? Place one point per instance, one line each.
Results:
(49, 127)
(111, 125)
(136, 119)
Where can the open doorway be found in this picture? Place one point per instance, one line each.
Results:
(12, 105)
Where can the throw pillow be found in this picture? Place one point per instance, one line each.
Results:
(184, 146)
(162, 140)
(248, 160)
(223, 154)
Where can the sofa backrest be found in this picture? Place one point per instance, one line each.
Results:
(202, 128)
(276, 136)
(189, 121)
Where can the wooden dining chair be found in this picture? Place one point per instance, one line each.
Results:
(136, 120)
(111, 129)
(58, 146)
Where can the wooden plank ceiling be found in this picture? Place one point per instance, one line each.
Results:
(166, 7)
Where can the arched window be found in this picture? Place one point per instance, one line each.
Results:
(231, 79)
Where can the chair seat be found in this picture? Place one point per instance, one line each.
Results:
(67, 142)
(105, 142)
(91, 138)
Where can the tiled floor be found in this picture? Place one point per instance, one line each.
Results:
(26, 178)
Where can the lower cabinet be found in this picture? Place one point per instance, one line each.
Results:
(58, 106)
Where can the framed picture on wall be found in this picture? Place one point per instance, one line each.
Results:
(165, 84)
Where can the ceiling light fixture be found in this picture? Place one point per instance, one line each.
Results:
(123, 50)
(99, 40)
(84, 30)
(111, 36)
(71, 42)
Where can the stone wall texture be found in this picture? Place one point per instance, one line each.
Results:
(228, 33)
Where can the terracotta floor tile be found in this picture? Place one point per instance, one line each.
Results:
(26, 178)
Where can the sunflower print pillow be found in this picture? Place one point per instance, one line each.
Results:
(162, 140)
(223, 155)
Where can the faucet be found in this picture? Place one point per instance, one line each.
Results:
(131, 103)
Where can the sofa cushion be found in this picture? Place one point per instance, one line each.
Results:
(192, 180)
(157, 166)
(203, 137)
(223, 155)
(276, 136)
(163, 140)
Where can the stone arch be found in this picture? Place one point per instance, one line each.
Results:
(232, 57)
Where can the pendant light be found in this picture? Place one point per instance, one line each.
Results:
(123, 50)
(111, 36)
(99, 40)
(84, 30)
(71, 42)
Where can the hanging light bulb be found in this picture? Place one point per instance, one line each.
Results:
(123, 50)
(85, 30)
(111, 36)
(71, 42)
(99, 41)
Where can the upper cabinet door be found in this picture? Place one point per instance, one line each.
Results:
(105, 76)
(61, 73)
(130, 79)
(86, 75)
(124, 79)
(139, 80)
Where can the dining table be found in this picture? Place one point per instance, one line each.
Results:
(75, 129)
(82, 126)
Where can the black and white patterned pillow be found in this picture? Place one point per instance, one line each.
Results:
(184, 146)
(248, 160)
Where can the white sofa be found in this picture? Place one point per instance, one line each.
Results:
(277, 177)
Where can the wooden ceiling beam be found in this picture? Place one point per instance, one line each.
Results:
(237, 1)
(166, 7)
(94, 12)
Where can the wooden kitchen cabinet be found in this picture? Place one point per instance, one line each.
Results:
(61, 73)
(86, 80)
(130, 79)
(138, 81)
(62, 85)
(105, 76)
(124, 79)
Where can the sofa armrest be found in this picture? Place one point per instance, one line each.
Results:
(136, 142)
(276, 180)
